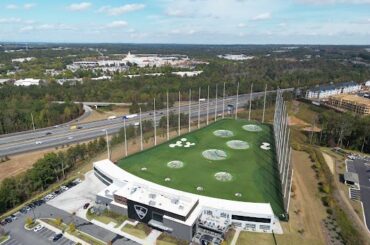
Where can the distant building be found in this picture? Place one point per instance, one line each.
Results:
(325, 91)
(27, 82)
(4, 80)
(357, 104)
(21, 60)
(235, 57)
(367, 84)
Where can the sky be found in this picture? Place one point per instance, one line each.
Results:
(187, 21)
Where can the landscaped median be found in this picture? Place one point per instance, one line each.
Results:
(4, 238)
(106, 217)
(70, 232)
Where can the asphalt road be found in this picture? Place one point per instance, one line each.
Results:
(20, 236)
(61, 135)
(362, 168)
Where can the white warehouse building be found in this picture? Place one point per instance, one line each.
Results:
(27, 82)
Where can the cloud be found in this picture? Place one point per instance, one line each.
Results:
(79, 6)
(10, 20)
(46, 27)
(114, 11)
(117, 24)
(29, 5)
(175, 12)
(241, 25)
(11, 6)
(263, 16)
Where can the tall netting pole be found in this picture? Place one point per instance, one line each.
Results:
(141, 130)
(207, 105)
(179, 116)
(216, 103)
(199, 107)
(237, 101)
(250, 102)
(223, 103)
(264, 105)
(125, 136)
(189, 110)
(154, 123)
(168, 119)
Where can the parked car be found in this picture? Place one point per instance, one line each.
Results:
(23, 210)
(38, 228)
(13, 217)
(86, 205)
(57, 237)
(8, 220)
(3, 222)
(64, 188)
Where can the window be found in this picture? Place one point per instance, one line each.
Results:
(157, 217)
(251, 219)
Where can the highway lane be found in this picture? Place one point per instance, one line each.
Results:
(63, 135)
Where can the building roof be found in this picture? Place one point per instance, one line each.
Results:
(352, 177)
(333, 86)
(117, 174)
(352, 98)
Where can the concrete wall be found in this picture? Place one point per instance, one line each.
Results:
(103, 200)
(180, 231)
(118, 209)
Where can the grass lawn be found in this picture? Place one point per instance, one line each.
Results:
(107, 217)
(140, 230)
(254, 171)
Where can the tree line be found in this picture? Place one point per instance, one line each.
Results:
(18, 111)
(51, 168)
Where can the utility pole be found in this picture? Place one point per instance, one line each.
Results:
(237, 102)
(33, 123)
(106, 134)
(141, 131)
(264, 105)
(216, 103)
(154, 124)
(223, 103)
(124, 131)
(207, 103)
(179, 120)
(189, 109)
(168, 120)
(199, 108)
(250, 103)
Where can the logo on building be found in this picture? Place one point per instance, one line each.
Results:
(140, 211)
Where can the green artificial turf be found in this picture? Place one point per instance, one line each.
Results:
(254, 171)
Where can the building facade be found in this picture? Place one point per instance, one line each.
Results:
(354, 103)
(325, 91)
(181, 214)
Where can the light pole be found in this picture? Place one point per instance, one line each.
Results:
(264, 105)
(33, 123)
(216, 103)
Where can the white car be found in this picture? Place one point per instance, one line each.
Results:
(64, 188)
(38, 228)
(38, 142)
(70, 137)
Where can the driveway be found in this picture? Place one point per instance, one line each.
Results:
(73, 200)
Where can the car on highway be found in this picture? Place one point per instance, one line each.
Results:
(38, 228)
(38, 142)
(48, 133)
(70, 137)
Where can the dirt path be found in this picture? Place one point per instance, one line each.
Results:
(306, 210)
(330, 162)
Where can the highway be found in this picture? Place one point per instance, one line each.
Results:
(61, 135)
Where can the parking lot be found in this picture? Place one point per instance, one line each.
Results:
(72, 196)
(361, 166)
(73, 200)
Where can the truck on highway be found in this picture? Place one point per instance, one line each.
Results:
(112, 117)
(73, 127)
(129, 116)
